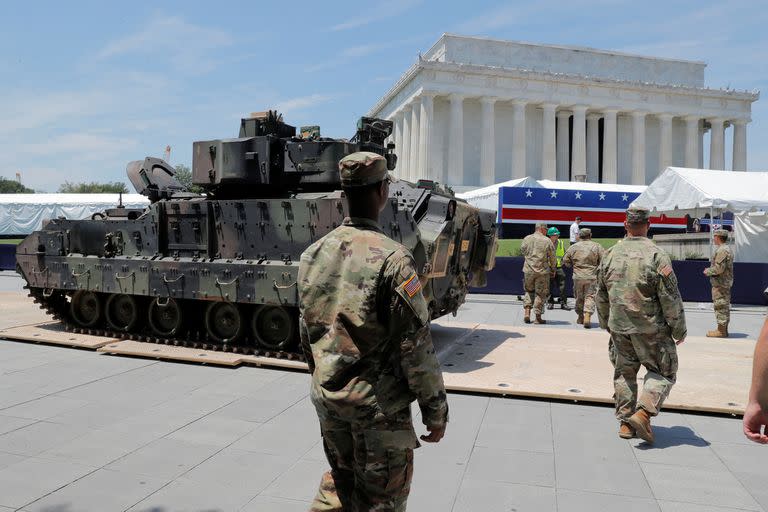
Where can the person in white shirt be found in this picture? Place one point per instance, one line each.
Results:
(575, 230)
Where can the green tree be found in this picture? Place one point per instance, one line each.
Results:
(13, 187)
(93, 188)
(184, 176)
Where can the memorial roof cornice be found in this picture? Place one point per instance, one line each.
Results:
(576, 79)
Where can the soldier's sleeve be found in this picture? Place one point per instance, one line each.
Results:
(568, 257)
(601, 299)
(524, 247)
(551, 257)
(669, 297)
(305, 346)
(718, 264)
(409, 328)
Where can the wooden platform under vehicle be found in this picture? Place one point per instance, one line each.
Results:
(542, 362)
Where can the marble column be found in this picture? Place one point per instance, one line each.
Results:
(456, 141)
(665, 140)
(563, 141)
(610, 165)
(426, 142)
(739, 144)
(717, 144)
(548, 154)
(593, 147)
(398, 136)
(579, 157)
(692, 142)
(413, 160)
(488, 142)
(518, 139)
(638, 148)
(404, 154)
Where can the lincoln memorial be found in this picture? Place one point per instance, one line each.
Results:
(474, 111)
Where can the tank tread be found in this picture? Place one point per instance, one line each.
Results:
(56, 307)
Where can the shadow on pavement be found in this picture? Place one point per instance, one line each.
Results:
(667, 437)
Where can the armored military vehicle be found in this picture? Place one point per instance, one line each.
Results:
(218, 269)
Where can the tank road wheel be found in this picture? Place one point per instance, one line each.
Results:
(122, 312)
(85, 308)
(165, 316)
(223, 322)
(274, 327)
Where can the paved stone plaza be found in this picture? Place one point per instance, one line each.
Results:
(82, 431)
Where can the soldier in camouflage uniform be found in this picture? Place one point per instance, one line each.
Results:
(720, 274)
(584, 257)
(638, 302)
(365, 333)
(539, 267)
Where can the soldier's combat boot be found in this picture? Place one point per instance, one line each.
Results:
(626, 431)
(539, 320)
(527, 317)
(580, 318)
(641, 422)
(587, 320)
(720, 332)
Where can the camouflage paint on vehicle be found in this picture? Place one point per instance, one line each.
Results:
(222, 266)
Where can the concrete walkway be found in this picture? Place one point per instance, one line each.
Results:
(81, 431)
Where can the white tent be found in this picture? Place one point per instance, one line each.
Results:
(678, 191)
(585, 185)
(488, 197)
(21, 214)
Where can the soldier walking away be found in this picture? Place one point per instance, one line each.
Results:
(638, 302)
(538, 269)
(720, 275)
(585, 258)
(756, 412)
(559, 278)
(364, 330)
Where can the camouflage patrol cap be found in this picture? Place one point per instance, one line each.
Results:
(585, 233)
(723, 233)
(638, 215)
(363, 168)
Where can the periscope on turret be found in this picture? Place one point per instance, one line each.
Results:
(219, 268)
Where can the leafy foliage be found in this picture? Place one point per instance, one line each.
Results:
(93, 188)
(13, 187)
(184, 176)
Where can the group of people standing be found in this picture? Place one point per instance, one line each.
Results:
(545, 255)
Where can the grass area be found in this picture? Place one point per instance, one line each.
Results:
(11, 241)
(511, 247)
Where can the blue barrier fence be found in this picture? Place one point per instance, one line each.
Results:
(7, 256)
(750, 279)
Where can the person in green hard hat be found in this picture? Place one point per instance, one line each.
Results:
(559, 279)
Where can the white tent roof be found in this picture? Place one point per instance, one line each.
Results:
(21, 214)
(488, 197)
(584, 185)
(696, 191)
(75, 199)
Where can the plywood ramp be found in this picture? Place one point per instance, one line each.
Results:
(548, 362)
(173, 353)
(539, 361)
(54, 333)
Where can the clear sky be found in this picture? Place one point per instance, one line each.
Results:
(86, 87)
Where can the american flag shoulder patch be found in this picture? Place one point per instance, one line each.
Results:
(665, 270)
(412, 285)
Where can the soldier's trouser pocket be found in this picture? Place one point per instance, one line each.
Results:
(668, 359)
(387, 471)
